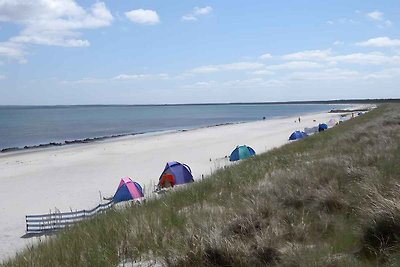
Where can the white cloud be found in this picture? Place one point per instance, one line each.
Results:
(56, 23)
(308, 55)
(120, 77)
(197, 12)
(379, 17)
(202, 10)
(204, 83)
(338, 42)
(373, 58)
(302, 61)
(384, 74)
(43, 39)
(298, 76)
(241, 66)
(265, 56)
(143, 16)
(87, 80)
(13, 51)
(200, 85)
(53, 23)
(189, 18)
(388, 23)
(380, 42)
(326, 74)
(345, 20)
(251, 83)
(375, 15)
(294, 65)
(228, 67)
(25, 10)
(2, 77)
(206, 69)
(243, 84)
(127, 77)
(341, 21)
(262, 72)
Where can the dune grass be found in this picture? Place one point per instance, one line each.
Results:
(332, 199)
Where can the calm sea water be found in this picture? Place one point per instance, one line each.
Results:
(27, 125)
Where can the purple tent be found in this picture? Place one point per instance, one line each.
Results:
(297, 135)
(175, 173)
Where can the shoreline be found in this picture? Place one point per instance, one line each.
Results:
(95, 139)
(300, 102)
(89, 140)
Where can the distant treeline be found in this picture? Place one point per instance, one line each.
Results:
(339, 101)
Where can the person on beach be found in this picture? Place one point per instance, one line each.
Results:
(299, 119)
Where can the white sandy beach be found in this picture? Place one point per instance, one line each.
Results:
(70, 177)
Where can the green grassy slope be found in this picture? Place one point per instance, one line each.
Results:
(331, 199)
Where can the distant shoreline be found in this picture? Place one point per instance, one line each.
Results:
(101, 138)
(93, 139)
(338, 102)
(349, 110)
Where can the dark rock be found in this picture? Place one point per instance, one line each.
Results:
(10, 149)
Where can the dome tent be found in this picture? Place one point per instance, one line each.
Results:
(332, 122)
(297, 135)
(241, 152)
(322, 127)
(175, 173)
(127, 190)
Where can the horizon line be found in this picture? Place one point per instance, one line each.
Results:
(218, 103)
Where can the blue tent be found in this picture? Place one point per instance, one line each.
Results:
(175, 173)
(322, 127)
(241, 152)
(297, 135)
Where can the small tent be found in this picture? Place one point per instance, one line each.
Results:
(332, 122)
(297, 135)
(241, 152)
(322, 127)
(175, 173)
(128, 190)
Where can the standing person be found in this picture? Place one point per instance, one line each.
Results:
(299, 119)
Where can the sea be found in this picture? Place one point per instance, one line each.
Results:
(23, 127)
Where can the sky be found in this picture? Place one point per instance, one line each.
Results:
(65, 52)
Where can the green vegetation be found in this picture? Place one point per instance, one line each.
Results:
(332, 199)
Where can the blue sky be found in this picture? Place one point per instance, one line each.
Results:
(141, 52)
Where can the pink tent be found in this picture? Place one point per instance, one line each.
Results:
(332, 122)
(128, 190)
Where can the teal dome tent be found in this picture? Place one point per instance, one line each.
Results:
(241, 152)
